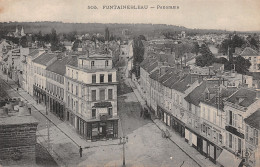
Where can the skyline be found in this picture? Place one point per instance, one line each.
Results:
(202, 14)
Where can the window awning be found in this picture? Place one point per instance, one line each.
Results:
(102, 105)
(228, 159)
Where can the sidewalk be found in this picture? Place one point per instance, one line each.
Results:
(64, 127)
(175, 138)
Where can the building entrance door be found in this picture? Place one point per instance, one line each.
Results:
(102, 130)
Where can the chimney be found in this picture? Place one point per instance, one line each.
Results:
(24, 111)
(9, 106)
(20, 103)
(3, 112)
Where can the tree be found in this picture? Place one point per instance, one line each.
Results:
(107, 35)
(23, 42)
(206, 58)
(76, 44)
(241, 64)
(138, 52)
(195, 48)
(54, 40)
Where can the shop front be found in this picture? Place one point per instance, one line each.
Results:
(56, 107)
(172, 121)
(39, 94)
(103, 128)
(210, 150)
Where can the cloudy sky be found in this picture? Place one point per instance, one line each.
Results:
(239, 15)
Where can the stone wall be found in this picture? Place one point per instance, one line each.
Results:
(17, 143)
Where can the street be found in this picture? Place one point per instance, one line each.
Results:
(145, 146)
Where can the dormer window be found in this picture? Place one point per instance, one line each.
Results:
(106, 63)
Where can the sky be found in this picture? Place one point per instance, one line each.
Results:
(232, 15)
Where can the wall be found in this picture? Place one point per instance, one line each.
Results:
(17, 143)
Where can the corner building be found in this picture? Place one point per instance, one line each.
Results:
(91, 95)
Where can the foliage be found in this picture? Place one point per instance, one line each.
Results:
(195, 48)
(23, 42)
(241, 64)
(138, 52)
(206, 58)
(76, 44)
(107, 35)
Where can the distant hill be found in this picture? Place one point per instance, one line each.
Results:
(115, 29)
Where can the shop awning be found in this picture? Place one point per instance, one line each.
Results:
(102, 105)
(228, 159)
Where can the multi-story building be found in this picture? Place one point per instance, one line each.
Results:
(237, 107)
(254, 58)
(252, 137)
(212, 118)
(39, 67)
(28, 72)
(55, 86)
(91, 95)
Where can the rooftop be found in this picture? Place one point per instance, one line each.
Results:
(196, 95)
(249, 52)
(243, 97)
(45, 58)
(254, 119)
(59, 66)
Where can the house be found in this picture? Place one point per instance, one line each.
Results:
(91, 95)
(28, 71)
(254, 58)
(237, 107)
(252, 137)
(68, 45)
(39, 66)
(212, 118)
(55, 86)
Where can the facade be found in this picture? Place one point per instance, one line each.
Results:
(28, 72)
(213, 120)
(39, 79)
(55, 86)
(254, 58)
(237, 107)
(91, 95)
(252, 138)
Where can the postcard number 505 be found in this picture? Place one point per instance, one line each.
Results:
(92, 7)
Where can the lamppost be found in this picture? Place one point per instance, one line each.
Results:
(123, 140)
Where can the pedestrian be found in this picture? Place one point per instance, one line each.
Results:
(17, 88)
(80, 151)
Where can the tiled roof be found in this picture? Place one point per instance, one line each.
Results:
(249, 52)
(223, 94)
(169, 82)
(243, 97)
(59, 66)
(152, 67)
(44, 58)
(254, 119)
(33, 53)
(146, 63)
(184, 83)
(73, 61)
(197, 94)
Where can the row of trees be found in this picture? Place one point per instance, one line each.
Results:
(239, 64)
(138, 54)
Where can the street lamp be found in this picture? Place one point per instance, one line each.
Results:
(123, 140)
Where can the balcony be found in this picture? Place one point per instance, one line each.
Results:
(96, 67)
